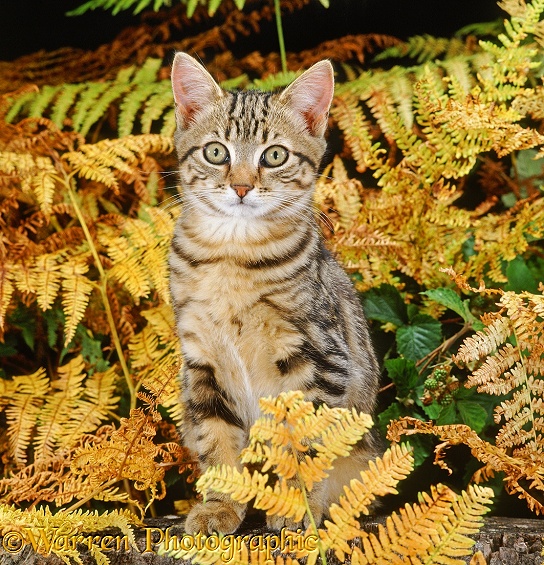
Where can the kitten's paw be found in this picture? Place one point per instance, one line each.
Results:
(279, 522)
(214, 516)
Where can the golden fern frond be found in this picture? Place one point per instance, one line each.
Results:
(111, 159)
(36, 174)
(380, 479)
(97, 400)
(58, 407)
(47, 278)
(26, 396)
(342, 191)
(433, 531)
(280, 500)
(294, 425)
(77, 289)
(161, 320)
(484, 341)
(143, 348)
(522, 473)
(139, 254)
(152, 235)
(42, 529)
(6, 291)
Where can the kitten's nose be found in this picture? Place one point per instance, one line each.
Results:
(241, 189)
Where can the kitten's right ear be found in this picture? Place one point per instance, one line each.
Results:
(193, 86)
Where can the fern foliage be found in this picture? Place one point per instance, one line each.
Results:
(439, 170)
(421, 132)
(505, 359)
(74, 217)
(43, 530)
(136, 93)
(432, 531)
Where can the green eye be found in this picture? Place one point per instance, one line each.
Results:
(216, 153)
(274, 156)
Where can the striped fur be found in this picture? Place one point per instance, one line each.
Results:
(261, 305)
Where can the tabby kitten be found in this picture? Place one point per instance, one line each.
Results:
(261, 306)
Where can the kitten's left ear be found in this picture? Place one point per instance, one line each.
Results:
(311, 96)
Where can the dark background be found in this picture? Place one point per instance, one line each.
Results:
(27, 26)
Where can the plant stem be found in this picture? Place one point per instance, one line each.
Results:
(308, 509)
(102, 287)
(281, 42)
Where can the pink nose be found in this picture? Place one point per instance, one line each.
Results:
(241, 189)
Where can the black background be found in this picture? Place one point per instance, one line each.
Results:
(28, 26)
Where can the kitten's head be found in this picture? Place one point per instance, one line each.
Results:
(249, 154)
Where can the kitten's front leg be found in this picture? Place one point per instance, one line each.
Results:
(216, 433)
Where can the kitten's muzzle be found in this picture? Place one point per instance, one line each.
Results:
(241, 189)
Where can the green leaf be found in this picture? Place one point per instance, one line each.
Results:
(404, 374)
(432, 410)
(423, 335)
(448, 415)
(520, 277)
(54, 325)
(8, 348)
(385, 304)
(422, 446)
(392, 412)
(450, 299)
(526, 164)
(92, 351)
(472, 414)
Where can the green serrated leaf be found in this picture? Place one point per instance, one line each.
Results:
(64, 102)
(213, 5)
(404, 374)
(472, 414)
(432, 410)
(423, 335)
(520, 277)
(92, 351)
(43, 100)
(54, 325)
(385, 304)
(448, 415)
(87, 102)
(422, 446)
(392, 412)
(450, 299)
(527, 166)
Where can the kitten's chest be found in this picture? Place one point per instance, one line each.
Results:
(222, 290)
(234, 328)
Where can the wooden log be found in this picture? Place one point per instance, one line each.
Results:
(503, 541)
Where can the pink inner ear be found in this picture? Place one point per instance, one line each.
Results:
(192, 85)
(311, 96)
